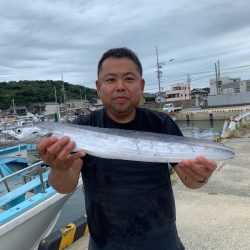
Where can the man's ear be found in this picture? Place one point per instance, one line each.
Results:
(97, 84)
(142, 85)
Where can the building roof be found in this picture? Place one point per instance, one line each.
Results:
(201, 91)
(149, 95)
(18, 108)
(161, 95)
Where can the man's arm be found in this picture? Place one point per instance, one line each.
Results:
(194, 174)
(65, 167)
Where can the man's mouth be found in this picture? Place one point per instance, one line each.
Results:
(120, 98)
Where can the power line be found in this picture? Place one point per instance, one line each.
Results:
(207, 71)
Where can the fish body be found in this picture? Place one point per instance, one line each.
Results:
(126, 144)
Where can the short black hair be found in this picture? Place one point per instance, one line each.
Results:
(120, 53)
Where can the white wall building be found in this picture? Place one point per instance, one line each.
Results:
(228, 91)
(73, 103)
(224, 85)
(178, 92)
(245, 86)
(51, 108)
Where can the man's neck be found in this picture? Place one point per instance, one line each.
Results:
(122, 118)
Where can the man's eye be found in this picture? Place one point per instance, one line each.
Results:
(129, 79)
(110, 79)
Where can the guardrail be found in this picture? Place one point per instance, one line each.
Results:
(37, 170)
(242, 117)
(235, 122)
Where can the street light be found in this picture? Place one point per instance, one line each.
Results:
(159, 72)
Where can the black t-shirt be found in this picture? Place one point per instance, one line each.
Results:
(130, 205)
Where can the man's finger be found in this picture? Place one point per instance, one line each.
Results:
(194, 171)
(54, 150)
(210, 165)
(78, 155)
(66, 151)
(45, 143)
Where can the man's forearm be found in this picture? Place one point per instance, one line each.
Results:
(64, 181)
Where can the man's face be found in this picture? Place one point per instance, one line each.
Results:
(120, 86)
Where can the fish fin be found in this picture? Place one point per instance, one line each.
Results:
(76, 149)
(47, 135)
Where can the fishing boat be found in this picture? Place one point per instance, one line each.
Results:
(29, 206)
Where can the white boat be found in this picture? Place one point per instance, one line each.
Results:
(29, 210)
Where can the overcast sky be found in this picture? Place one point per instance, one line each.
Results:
(42, 39)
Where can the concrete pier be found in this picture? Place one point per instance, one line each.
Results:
(216, 216)
(221, 113)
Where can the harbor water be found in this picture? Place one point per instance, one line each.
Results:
(201, 129)
(75, 207)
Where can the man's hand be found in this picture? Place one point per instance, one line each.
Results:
(57, 152)
(194, 174)
(65, 166)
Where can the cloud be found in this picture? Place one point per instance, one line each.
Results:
(44, 39)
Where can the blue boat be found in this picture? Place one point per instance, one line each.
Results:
(29, 206)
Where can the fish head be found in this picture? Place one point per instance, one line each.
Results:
(31, 134)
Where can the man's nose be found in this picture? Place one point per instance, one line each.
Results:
(120, 84)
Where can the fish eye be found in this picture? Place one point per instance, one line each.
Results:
(18, 130)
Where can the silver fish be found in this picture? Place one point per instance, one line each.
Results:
(125, 144)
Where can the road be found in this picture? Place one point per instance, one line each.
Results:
(217, 216)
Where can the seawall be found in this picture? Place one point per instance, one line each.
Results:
(210, 113)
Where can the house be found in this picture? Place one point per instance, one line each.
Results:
(178, 92)
(148, 98)
(17, 110)
(161, 98)
(37, 108)
(200, 96)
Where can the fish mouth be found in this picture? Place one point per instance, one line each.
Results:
(9, 136)
(8, 140)
(13, 138)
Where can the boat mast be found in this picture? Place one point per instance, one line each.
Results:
(14, 108)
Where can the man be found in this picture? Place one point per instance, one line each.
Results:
(130, 205)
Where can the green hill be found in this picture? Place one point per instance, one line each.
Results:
(27, 92)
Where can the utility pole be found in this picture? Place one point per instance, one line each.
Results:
(81, 95)
(63, 90)
(188, 79)
(219, 69)
(217, 76)
(57, 115)
(158, 72)
(216, 79)
(55, 94)
(64, 94)
(189, 87)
